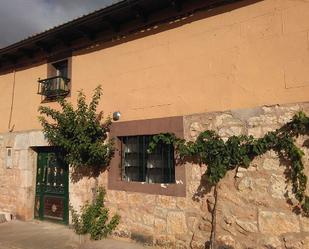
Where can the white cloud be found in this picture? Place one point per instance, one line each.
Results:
(22, 18)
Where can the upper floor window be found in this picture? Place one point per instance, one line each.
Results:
(140, 166)
(58, 82)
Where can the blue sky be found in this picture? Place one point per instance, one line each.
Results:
(22, 18)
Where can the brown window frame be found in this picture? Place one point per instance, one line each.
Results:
(140, 166)
(56, 59)
(146, 127)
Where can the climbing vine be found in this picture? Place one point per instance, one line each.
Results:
(238, 151)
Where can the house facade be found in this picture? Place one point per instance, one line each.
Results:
(236, 67)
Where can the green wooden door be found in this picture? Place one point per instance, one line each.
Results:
(51, 200)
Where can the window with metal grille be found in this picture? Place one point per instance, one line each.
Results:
(58, 84)
(140, 166)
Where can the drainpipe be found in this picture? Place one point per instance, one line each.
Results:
(11, 128)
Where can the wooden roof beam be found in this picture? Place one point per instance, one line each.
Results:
(86, 32)
(113, 25)
(63, 40)
(177, 5)
(29, 53)
(44, 46)
(10, 58)
(140, 13)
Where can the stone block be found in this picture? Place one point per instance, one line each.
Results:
(306, 242)
(262, 120)
(195, 129)
(294, 242)
(271, 242)
(145, 239)
(247, 226)
(148, 219)
(195, 173)
(9, 140)
(247, 113)
(166, 201)
(197, 245)
(21, 141)
(278, 186)
(205, 226)
(286, 117)
(277, 223)
(230, 131)
(191, 222)
(1, 141)
(198, 241)
(272, 164)
(37, 138)
(304, 221)
(160, 226)
(117, 196)
(165, 241)
(181, 203)
(176, 222)
(222, 119)
(160, 212)
(26, 178)
(16, 156)
(2, 218)
(139, 228)
(23, 162)
(122, 231)
(7, 216)
(181, 245)
(135, 199)
(256, 132)
(256, 185)
(226, 241)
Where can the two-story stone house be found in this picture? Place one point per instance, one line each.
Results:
(182, 66)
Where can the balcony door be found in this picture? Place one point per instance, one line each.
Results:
(61, 68)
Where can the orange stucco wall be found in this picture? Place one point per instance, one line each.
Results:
(250, 56)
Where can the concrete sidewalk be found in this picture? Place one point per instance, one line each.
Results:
(44, 235)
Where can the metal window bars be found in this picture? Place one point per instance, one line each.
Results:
(54, 87)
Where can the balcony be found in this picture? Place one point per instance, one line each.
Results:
(54, 87)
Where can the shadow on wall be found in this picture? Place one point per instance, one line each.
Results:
(167, 24)
(127, 35)
(78, 173)
(205, 187)
(222, 246)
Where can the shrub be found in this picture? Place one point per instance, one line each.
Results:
(94, 219)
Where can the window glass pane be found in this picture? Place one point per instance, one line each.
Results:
(131, 158)
(160, 164)
(61, 68)
(139, 165)
(132, 174)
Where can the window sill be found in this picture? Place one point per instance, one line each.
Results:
(172, 189)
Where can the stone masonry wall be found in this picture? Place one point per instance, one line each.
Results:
(17, 179)
(252, 211)
(253, 208)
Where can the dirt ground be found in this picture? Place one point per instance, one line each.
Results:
(44, 235)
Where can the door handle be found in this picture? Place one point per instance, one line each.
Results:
(44, 175)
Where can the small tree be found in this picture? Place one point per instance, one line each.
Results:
(81, 134)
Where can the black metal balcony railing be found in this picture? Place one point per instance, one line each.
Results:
(54, 87)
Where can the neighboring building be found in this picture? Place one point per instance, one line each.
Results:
(182, 66)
